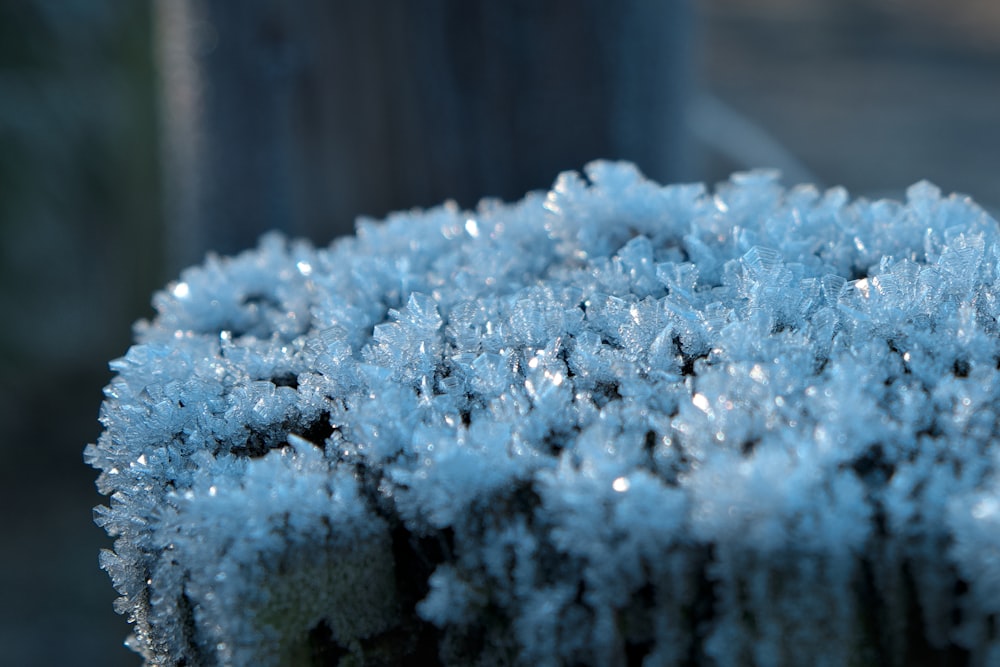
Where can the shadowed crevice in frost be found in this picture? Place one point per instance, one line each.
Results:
(318, 431)
(258, 443)
(616, 423)
(285, 380)
(323, 650)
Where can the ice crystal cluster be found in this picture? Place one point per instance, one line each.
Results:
(612, 424)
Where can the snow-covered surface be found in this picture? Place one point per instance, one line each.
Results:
(610, 422)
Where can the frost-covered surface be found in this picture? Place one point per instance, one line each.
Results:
(616, 423)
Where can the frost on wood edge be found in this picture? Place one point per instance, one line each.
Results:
(613, 423)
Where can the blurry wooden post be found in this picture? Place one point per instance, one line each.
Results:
(300, 116)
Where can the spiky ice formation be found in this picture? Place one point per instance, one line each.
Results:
(616, 423)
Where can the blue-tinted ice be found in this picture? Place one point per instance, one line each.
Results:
(754, 426)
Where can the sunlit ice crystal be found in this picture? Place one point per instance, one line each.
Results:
(614, 423)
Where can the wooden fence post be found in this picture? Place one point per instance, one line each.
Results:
(300, 116)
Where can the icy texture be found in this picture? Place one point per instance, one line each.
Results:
(616, 423)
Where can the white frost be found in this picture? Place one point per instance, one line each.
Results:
(572, 422)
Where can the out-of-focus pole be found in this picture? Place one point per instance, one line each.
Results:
(300, 116)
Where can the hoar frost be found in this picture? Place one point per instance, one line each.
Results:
(612, 424)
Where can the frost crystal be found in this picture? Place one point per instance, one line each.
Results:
(616, 423)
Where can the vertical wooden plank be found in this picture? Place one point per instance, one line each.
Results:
(301, 116)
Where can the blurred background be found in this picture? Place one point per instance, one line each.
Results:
(135, 137)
